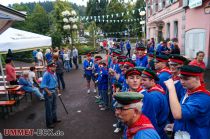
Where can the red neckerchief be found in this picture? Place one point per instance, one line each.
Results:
(200, 89)
(175, 78)
(48, 70)
(166, 69)
(141, 56)
(158, 88)
(142, 123)
(137, 90)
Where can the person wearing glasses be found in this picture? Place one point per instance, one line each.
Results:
(158, 99)
(127, 64)
(129, 111)
(192, 113)
(162, 69)
(141, 59)
(175, 62)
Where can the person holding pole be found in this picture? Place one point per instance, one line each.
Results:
(49, 85)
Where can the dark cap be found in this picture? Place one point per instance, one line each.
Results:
(140, 48)
(98, 58)
(88, 54)
(121, 61)
(116, 52)
(177, 59)
(162, 58)
(126, 98)
(133, 71)
(189, 70)
(102, 63)
(121, 57)
(129, 62)
(51, 64)
(147, 73)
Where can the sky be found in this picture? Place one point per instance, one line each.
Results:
(6, 2)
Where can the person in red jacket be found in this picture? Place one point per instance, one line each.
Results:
(198, 61)
(10, 72)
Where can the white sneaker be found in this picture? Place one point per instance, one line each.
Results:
(88, 91)
(102, 109)
(97, 97)
(94, 91)
(117, 130)
(114, 125)
(100, 106)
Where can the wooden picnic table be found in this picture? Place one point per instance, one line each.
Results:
(9, 91)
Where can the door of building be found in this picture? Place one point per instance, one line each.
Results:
(195, 40)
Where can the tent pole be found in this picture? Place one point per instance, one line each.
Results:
(2, 73)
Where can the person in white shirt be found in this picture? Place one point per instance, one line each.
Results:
(32, 77)
(66, 59)
(75, 56)
(40, 58)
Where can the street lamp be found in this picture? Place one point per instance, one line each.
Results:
(143, 22)
(69, 20)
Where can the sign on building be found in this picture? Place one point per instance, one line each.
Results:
(195, 3)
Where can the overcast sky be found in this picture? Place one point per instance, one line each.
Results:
(6, 2)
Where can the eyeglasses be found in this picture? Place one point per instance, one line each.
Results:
(173, 65)
(126, 66)
(123, 109)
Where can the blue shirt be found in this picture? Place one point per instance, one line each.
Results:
(48, 57)
(49, 81)
(26, 84)
(156, 109)
(87, 64)
(163, 76)
(128, 46)
(34, 53)
(103, 79)
(195, 116)
(141, 61)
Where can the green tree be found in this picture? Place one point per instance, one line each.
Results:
(39, 20)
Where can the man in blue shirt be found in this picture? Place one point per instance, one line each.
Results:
(34, 56)
(128, 110)
(28, 87)
(160, 110)
(128, 47)
(141, 60)
(192, 113)
(50, 85)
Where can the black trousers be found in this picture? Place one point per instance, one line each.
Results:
(129, 53)
(75, 62)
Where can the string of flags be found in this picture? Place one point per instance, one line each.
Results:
(117, 21)
(109, 16)
(121, 32)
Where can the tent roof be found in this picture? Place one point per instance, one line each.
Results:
(18, 40)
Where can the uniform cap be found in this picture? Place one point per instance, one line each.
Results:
(126, 98)
(189, 70)
(147, 73)
(177, 59)
(133, 71)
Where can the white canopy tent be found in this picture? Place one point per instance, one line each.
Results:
(19, 40)
(15, 39)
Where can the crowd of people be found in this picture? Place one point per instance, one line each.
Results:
(156, 93)
(46, 82)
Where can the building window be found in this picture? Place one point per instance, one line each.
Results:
(156, 7)
(163, 3)
(175, 29)
(168, 31)
(160, 5)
